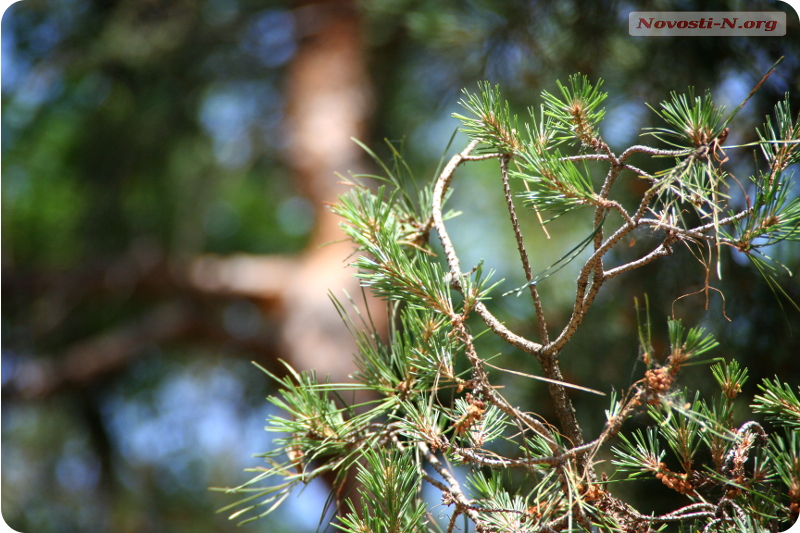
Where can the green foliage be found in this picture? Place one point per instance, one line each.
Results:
(696, 341)
(745, 463)
(640, 456)
(386, 267)
(318, 430)
(389, 500)
(775, 215)
(557, 184)
(577, 114)
(779, 403)
(504, 511)
(528, 473)
(778, 140)
(784, 453)
(694, 121)
(490, 119)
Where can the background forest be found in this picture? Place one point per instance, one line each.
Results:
(165, 170)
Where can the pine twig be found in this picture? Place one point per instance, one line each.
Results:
(453, 488)
(523, 254)
(454, 264)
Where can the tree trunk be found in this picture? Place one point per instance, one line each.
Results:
(329, 102)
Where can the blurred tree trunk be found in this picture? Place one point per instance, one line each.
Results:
(329, 101)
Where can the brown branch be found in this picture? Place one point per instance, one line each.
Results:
(583, 299)
(662, 250)
(640, 149)
(482, 157)
(442, 183)
(697, 232)
(484, 387)
(439, 190)
(611, 204)
(100, 356)
(251, 276)
(523, 254)
(638, 171)
(564, 407)
(503, 462)
(463, 505)
(452, 525)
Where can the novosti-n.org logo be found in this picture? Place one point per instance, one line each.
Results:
(707, 23)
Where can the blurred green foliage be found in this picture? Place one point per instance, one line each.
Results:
(136, 132)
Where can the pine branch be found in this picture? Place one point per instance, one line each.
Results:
(434, 396)
(523, 254)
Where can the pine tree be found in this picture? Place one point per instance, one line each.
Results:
(436, 404)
